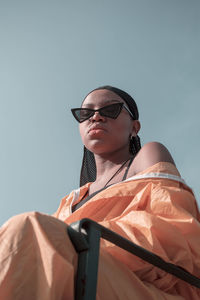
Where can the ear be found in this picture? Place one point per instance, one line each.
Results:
(135, 128)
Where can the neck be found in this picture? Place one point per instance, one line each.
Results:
(106, 163)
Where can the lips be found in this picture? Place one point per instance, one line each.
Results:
(96, 131)
(96, 128)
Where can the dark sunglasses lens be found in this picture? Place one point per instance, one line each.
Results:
(111, 111)
(82, 114)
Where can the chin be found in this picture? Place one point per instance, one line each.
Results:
(101, 148)
(96, 147)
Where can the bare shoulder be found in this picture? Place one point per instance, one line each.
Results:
(150, 154)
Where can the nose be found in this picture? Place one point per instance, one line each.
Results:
(97, 117)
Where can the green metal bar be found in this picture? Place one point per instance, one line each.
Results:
(91, 232)
(87, 245)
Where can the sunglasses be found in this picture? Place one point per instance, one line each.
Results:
(111, 111)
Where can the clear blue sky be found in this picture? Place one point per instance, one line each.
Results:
(54, 52)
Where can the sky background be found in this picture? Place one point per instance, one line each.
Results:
(52, 53)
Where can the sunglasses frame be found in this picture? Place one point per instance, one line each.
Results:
(122, 105)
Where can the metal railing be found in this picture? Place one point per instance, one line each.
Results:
(85, 236)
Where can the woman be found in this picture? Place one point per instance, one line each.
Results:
(135, 192)
(114, 140)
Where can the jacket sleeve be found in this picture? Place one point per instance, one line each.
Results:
(165, 222)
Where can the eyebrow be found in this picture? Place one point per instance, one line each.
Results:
(107, 102)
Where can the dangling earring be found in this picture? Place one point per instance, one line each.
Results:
(132, 149)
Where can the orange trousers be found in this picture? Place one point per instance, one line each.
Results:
(38, 262)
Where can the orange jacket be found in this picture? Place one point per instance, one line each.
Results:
(156, 210)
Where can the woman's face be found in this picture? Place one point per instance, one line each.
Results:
(103, 135)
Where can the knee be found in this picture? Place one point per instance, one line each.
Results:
(19, 219)
(31, 223)
(17, 223)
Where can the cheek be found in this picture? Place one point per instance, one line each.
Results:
(81, 130)
(122, 130)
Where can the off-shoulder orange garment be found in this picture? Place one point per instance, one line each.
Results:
(154, 209)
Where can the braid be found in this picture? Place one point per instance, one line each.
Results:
(88, 169)
(135, 145)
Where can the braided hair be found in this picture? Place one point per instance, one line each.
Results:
(88, 169)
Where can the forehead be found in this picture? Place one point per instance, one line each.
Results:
(100, 98)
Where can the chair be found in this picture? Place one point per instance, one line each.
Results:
(85, 236)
